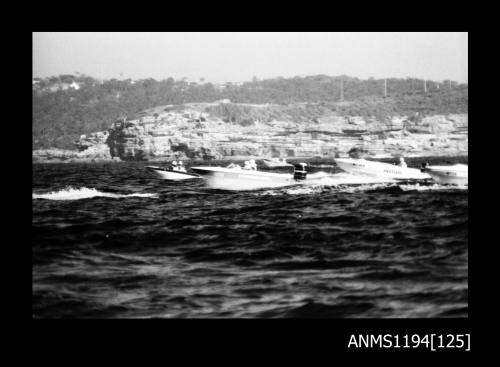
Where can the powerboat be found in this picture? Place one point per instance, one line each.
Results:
(457, 174)
(276, 162)
(170, 173)
(380, 169)
(245, 179)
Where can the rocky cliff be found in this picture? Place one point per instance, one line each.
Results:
(225, 130)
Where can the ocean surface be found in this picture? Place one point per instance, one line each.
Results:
(110, 240)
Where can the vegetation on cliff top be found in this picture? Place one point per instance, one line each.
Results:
(61, 113)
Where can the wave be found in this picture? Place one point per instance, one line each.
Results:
(71, 193)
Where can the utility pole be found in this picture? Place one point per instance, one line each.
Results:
(341, 90)
(449, 83)
(425, 86)
(385, 88)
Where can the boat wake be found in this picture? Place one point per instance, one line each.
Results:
(322, 182)
(71, 193)
(433, 187)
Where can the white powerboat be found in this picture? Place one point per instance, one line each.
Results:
(169, 173)
(240, 179)
(380, 170)
(276, 162)
(457, 174)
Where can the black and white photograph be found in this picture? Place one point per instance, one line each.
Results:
(249, 175)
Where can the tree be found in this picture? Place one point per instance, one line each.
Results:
(57, 121)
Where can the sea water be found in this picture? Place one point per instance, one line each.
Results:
(111, 240)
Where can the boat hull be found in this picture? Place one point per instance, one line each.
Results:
(171, 175)
(276, 164)
(240, 179)
(241, 174)
(380, 169)
(449, 175)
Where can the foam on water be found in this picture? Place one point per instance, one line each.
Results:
(348, 183)
(70, 193)
(312, 189)
(434, 187)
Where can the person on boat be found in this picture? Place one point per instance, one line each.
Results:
(253, 165)
(402, 162)
(247, 165)
(181, 167)
(174, 166)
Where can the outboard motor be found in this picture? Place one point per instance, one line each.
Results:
(299, 172)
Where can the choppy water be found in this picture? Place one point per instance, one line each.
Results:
(108, 240)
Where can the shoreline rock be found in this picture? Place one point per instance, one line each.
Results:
(191, 132)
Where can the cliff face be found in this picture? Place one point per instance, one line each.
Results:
(191, 131)
(91, 148)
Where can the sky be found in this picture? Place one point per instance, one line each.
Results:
(235, 57)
